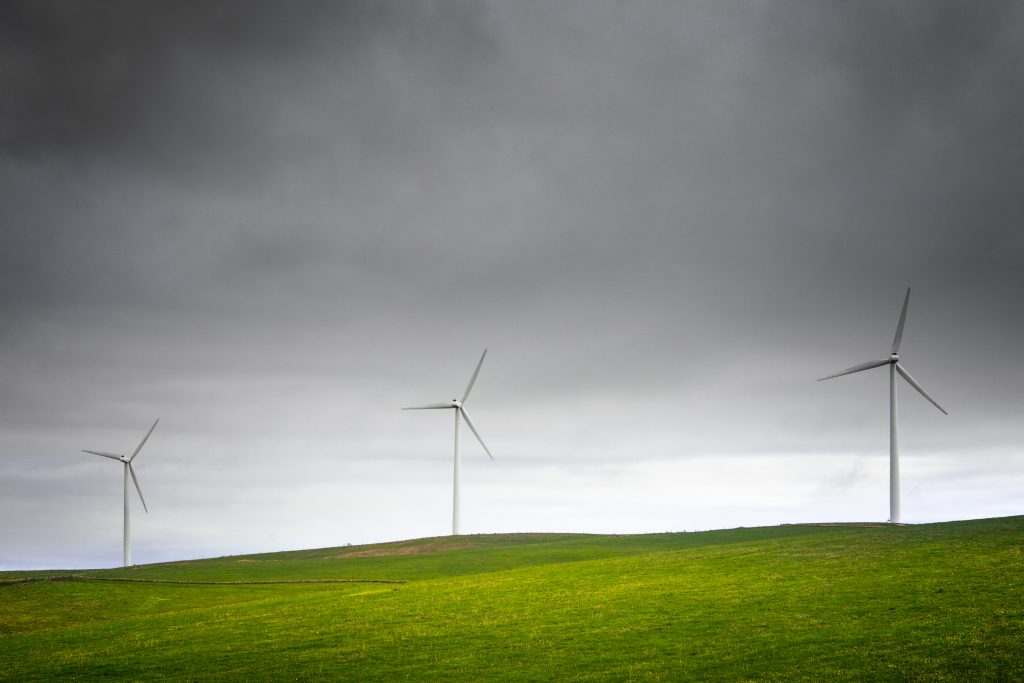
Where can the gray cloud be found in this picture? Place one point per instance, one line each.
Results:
(147, 79)
(274, 225)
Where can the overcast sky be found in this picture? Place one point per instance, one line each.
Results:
(273, 224)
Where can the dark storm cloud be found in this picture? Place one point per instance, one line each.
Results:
(907, 63)
(132, 129)
(741, 157)
(927, 101)
(150, 76)
(84, 77)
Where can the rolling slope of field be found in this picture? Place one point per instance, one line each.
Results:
(930, 602)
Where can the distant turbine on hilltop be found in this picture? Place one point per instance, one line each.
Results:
(460, 410)
(128, 469)
(893, 361)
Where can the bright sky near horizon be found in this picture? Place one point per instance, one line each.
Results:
(272, 225)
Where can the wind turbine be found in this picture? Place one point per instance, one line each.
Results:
(460, 411)
(895, 367)
(128, 469)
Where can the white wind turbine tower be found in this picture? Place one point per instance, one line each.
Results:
(460, 411)
(893, 361)
(128, 469)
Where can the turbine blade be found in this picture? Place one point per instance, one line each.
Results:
(113, 456)
(857, 368)
(899, 328)
(472, 380)
(137, 487)
(472, 428)
(143, 442)
(920, 389)
(431, 406)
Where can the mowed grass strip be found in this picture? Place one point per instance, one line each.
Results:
(930, 603)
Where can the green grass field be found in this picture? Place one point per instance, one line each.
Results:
(819, 603)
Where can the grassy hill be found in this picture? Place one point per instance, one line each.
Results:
(929, 602)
